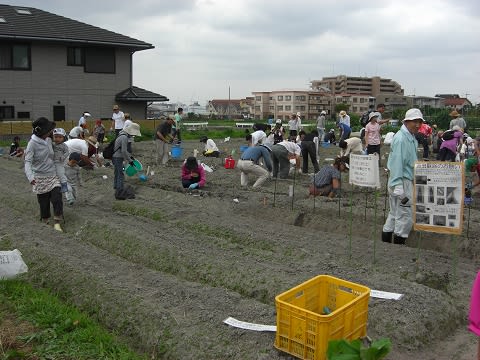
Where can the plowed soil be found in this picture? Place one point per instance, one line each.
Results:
(165, 269)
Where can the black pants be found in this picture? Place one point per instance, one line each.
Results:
(187, 182)
(372, 149)
(422, 140)
(308, 148)
(446, 155)
(54, 197)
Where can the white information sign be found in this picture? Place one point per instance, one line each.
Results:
(438, 194)
(364, 171)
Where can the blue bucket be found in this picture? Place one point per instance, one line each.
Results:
(177, 151)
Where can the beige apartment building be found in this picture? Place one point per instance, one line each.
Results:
(359, 93)
(280, 104)
(371, 86)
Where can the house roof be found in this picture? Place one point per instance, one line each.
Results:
(457, 102)
(135, 93)
(34, 24)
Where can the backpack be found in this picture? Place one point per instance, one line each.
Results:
(110, 149)
(364, 119)
(125, 193)
(448, 135)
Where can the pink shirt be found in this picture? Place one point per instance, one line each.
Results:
(474, 315)
(372, 132)
(187, 174)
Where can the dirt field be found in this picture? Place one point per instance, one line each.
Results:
(165, 269)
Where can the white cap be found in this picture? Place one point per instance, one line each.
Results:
(373, 114)
(413, 114)
(87, 114)
(59, 131)
(323, 112)
(278, 121)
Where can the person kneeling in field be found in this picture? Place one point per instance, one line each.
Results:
(211, 148)
(193, 174)
(327, 181)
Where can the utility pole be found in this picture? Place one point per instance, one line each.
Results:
(463, 106)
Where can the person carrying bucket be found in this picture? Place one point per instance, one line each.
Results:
(121, 153)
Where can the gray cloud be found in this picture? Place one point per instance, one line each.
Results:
(204, 46)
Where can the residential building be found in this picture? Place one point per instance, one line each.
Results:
(228, 108)
(454, 101)
(280, 104)
(58, 67)
(371, 86)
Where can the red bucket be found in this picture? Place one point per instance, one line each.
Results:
(229, 163)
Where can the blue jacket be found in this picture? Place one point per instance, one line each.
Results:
(403, 155)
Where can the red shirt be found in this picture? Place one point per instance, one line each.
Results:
(425, 129)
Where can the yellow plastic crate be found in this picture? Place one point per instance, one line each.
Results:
(304, 332)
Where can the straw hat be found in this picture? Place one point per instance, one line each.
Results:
(454, 113)
(92, 140)
(343, 113)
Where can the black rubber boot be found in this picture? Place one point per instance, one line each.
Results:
(387, 236)
(399, 240)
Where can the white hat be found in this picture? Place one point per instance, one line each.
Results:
(87, 114)
(373, 114)
(323, 112)
(413, 114)
(278, 121)
(132, 129)
(298, 113)
(59, 131)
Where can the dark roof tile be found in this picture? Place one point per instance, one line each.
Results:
(135, 93)
(42, 25)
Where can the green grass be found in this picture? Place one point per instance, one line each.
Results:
(59, 330)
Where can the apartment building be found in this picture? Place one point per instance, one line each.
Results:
(372, 86)
(280, 104)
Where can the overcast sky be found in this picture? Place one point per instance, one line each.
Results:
(203, 47)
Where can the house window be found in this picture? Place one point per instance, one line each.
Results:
(257, 108)
(280, 97)
(75, 56)
(280, 108)
(7, 112)
(288, 108)
(362, 100)
(100, 60)
(288, 97)
(258, 98)
(270, 107)
(14, 56)
(21, 11)
(23, 115)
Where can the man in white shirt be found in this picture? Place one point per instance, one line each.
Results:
(118, 120)
(281, 155)
(350, 145)
(80, 146)
(83, 119)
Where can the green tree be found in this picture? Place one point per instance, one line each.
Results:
(341, 106)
